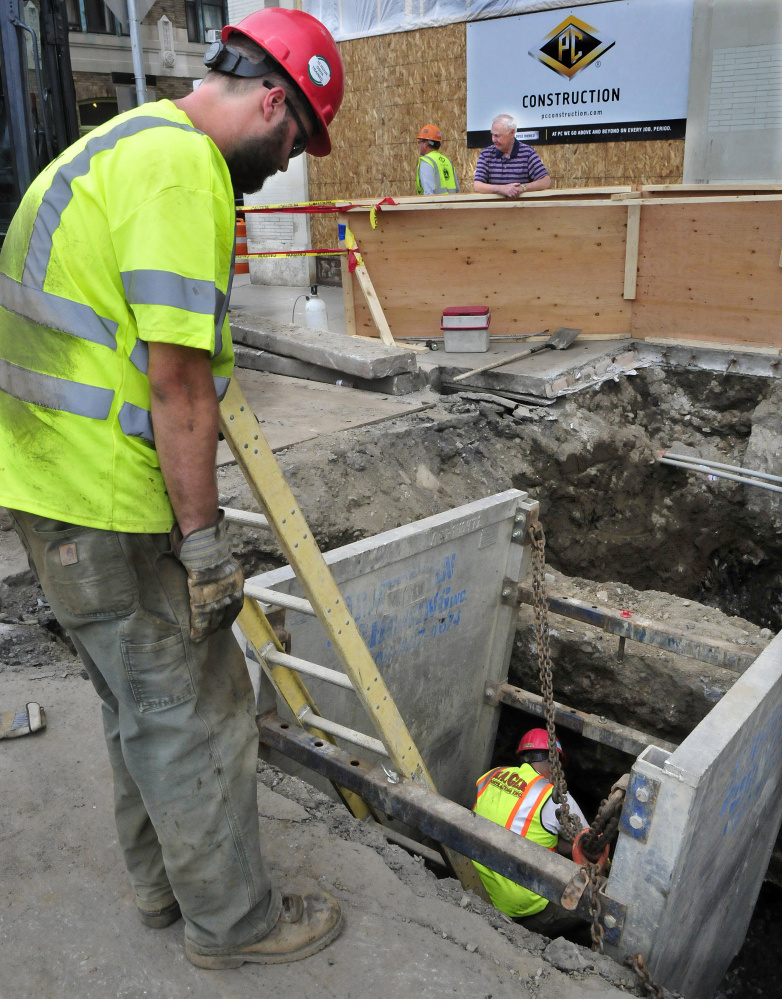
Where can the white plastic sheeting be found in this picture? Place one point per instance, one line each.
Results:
(360, 18)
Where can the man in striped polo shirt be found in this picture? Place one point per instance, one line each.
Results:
(509, 167)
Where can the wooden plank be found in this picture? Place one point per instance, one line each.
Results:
(527, 204)
(373, 303)
(673, 189)
(741, 348)
(535, 270)
(710, 272)
(631, 249)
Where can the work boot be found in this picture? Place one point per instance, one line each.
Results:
(306, 924)
(161, 916)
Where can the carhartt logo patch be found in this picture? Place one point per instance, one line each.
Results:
(571, 47)
(68, 554)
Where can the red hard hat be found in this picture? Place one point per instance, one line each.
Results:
(308, 54)
(537, 738)
(431, 132)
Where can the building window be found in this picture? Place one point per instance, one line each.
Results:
(96, 112)
(93, 16)
(203, 16)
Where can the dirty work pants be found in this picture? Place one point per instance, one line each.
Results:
(551, 921)
(179, 720)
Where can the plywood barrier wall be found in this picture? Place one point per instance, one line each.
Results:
(396, 83)
(711, 272)
(707, 268)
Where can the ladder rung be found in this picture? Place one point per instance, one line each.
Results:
(248, 517)
(278, 599)
(308, 717)
(276, 658)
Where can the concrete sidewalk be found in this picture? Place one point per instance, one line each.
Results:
(277, 302)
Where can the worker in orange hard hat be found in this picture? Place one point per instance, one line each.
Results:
(436, 174)
(519, 798)
(109, 465)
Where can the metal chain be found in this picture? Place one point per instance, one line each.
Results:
(638, 965)
(596, 882)
(571, 824)
(605, 825)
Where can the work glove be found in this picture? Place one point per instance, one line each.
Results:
(214, 578)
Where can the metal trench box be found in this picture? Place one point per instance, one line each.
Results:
(426, 598)
(699, 822)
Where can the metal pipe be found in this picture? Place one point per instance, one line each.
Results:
(248, 517)
(308, 717)
(717, 464)
(137, 51)
(720, 475)
(267, 596)
(640, 629)
(519, 859)
(594, 727)
(277, 658)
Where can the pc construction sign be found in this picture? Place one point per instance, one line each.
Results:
(603, 72)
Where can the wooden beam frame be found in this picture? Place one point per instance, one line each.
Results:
(704, 267)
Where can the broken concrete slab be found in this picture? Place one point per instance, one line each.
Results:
(264, 360)
(363, 357)
(548, 374)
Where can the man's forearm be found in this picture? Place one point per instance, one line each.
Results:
(539, 185)
(185, 421)
(481, 188)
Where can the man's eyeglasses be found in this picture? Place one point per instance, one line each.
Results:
(302, 139)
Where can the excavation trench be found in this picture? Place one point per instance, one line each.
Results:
(622, 530)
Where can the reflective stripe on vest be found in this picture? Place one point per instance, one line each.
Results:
(484, 782)
(55, 393)
(57, 313)
(145, 287)
(137, 422)
(59, 194)
(509, 824)
(221, 308)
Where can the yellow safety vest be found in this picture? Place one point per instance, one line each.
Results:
(446, 182)
(126, 238)
(514, 797)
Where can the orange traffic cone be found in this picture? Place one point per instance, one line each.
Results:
(242, 266)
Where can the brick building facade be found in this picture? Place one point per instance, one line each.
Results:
(174, 37)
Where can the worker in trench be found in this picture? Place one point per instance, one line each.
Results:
(114, 353)
(520, 798)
